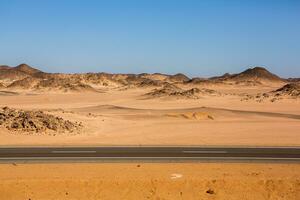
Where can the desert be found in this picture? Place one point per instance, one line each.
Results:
(149, 100)
(253, 107)
(221, 181)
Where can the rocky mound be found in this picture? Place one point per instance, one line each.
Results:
(26, 83)
(293, 80)
(9, 75)
(259, 97)
(195, 93)
(65, 85)
(178, 78)
(154, 79)
(27, 122)
(132, 80)
(256, 74)
(150, 83)
(165, 91)
(17, 73)
(144, 80)
(250, 77)
(155, 76)
(26, 69)
(197, 80)
(205, 82)
(223, 77)
(52, 83)
(171, 90)
(291, 90)
(101, 79)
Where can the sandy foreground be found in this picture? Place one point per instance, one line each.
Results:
(150, 181)
(126, 118)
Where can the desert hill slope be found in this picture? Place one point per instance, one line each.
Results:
(26, 69)
(28, 78)
(256, 76)
(10, 74)
(288, 91)
(291, 89)
(256, 73)
(178, 78)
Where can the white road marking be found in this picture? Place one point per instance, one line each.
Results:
(73, 151)
(190, 151)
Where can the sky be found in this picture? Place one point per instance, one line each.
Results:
(198, 38)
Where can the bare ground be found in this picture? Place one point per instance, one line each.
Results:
(150, 181)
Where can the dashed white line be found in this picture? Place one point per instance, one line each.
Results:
(73, 151)
(190, 151)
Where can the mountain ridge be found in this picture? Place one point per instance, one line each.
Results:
(26, 77)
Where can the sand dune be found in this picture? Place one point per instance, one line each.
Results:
(205, 111)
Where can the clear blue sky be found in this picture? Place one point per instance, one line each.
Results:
(199, 38)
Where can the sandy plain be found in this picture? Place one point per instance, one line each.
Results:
(115, 117)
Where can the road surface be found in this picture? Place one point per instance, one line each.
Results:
(150, 153)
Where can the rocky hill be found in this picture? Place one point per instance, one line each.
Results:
(10, 74)
(178, 78)
(291, 89)
(173, 91)
(64, 85)
(288, 91)
(25, 77)
(26, 69)
(251, 76)
(25, 83)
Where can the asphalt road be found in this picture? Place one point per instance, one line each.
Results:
(159, 153)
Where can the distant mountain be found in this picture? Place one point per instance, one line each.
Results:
(223, 77)
(256, 75)
(24, 76)
(17, 73)
(178, 78)
(26, 69)
(293, 79)
(3, 67)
